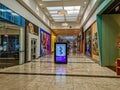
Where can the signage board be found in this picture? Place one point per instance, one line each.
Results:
(7, 14)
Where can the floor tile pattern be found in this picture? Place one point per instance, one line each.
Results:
(81, 73)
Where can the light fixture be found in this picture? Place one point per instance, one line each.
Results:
(41, 4)
(62, 12)
(85, 2)
(65, 24)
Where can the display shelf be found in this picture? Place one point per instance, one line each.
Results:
(118, 66)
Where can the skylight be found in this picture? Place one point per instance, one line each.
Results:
(51, 0)
(72, 8)
(72, 13)
(53, 12)
(59, 20)
(58, 17)
(54, 8)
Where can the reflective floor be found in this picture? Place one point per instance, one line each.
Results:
(81, 73)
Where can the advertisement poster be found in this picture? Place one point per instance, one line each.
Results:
(31, 28)
(88, 42)
(95, 44)
(60, 53)
(45, 40)
(95, 50)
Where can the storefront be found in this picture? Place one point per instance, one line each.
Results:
(95, 50)
(88, 42)
(32, 41)
(91, 42)
(45, 43)
(108, 20)
(11, 37)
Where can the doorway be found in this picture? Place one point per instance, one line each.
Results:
(11, 45)
(33, 48)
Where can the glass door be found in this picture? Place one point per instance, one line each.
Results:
(33, 48)
(11, 45)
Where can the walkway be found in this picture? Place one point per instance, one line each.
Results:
(81, 73)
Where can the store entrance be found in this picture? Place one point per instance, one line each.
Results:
(11, 44)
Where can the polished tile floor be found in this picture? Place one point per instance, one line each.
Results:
(81, 73)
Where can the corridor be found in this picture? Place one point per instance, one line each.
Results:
(81, 73)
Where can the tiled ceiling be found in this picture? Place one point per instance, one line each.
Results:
(75, 9)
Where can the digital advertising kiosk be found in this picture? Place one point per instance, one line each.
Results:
(60, 53)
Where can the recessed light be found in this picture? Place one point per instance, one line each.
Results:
(64, 24)
(47, 13)
(41, 4)
(85, 2)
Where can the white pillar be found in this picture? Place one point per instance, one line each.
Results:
(22, 46)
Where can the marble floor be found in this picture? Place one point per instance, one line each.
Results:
(81, 73)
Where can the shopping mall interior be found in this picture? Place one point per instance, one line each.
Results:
(60, 44)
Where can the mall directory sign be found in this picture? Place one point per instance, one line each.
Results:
(60, 53)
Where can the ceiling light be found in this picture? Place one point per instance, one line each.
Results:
(85, 2)
(64, 24)
(62, 12)
(41, 4)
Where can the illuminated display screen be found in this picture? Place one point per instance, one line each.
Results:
(60, 53)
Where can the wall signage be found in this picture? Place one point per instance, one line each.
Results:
(7, 14)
